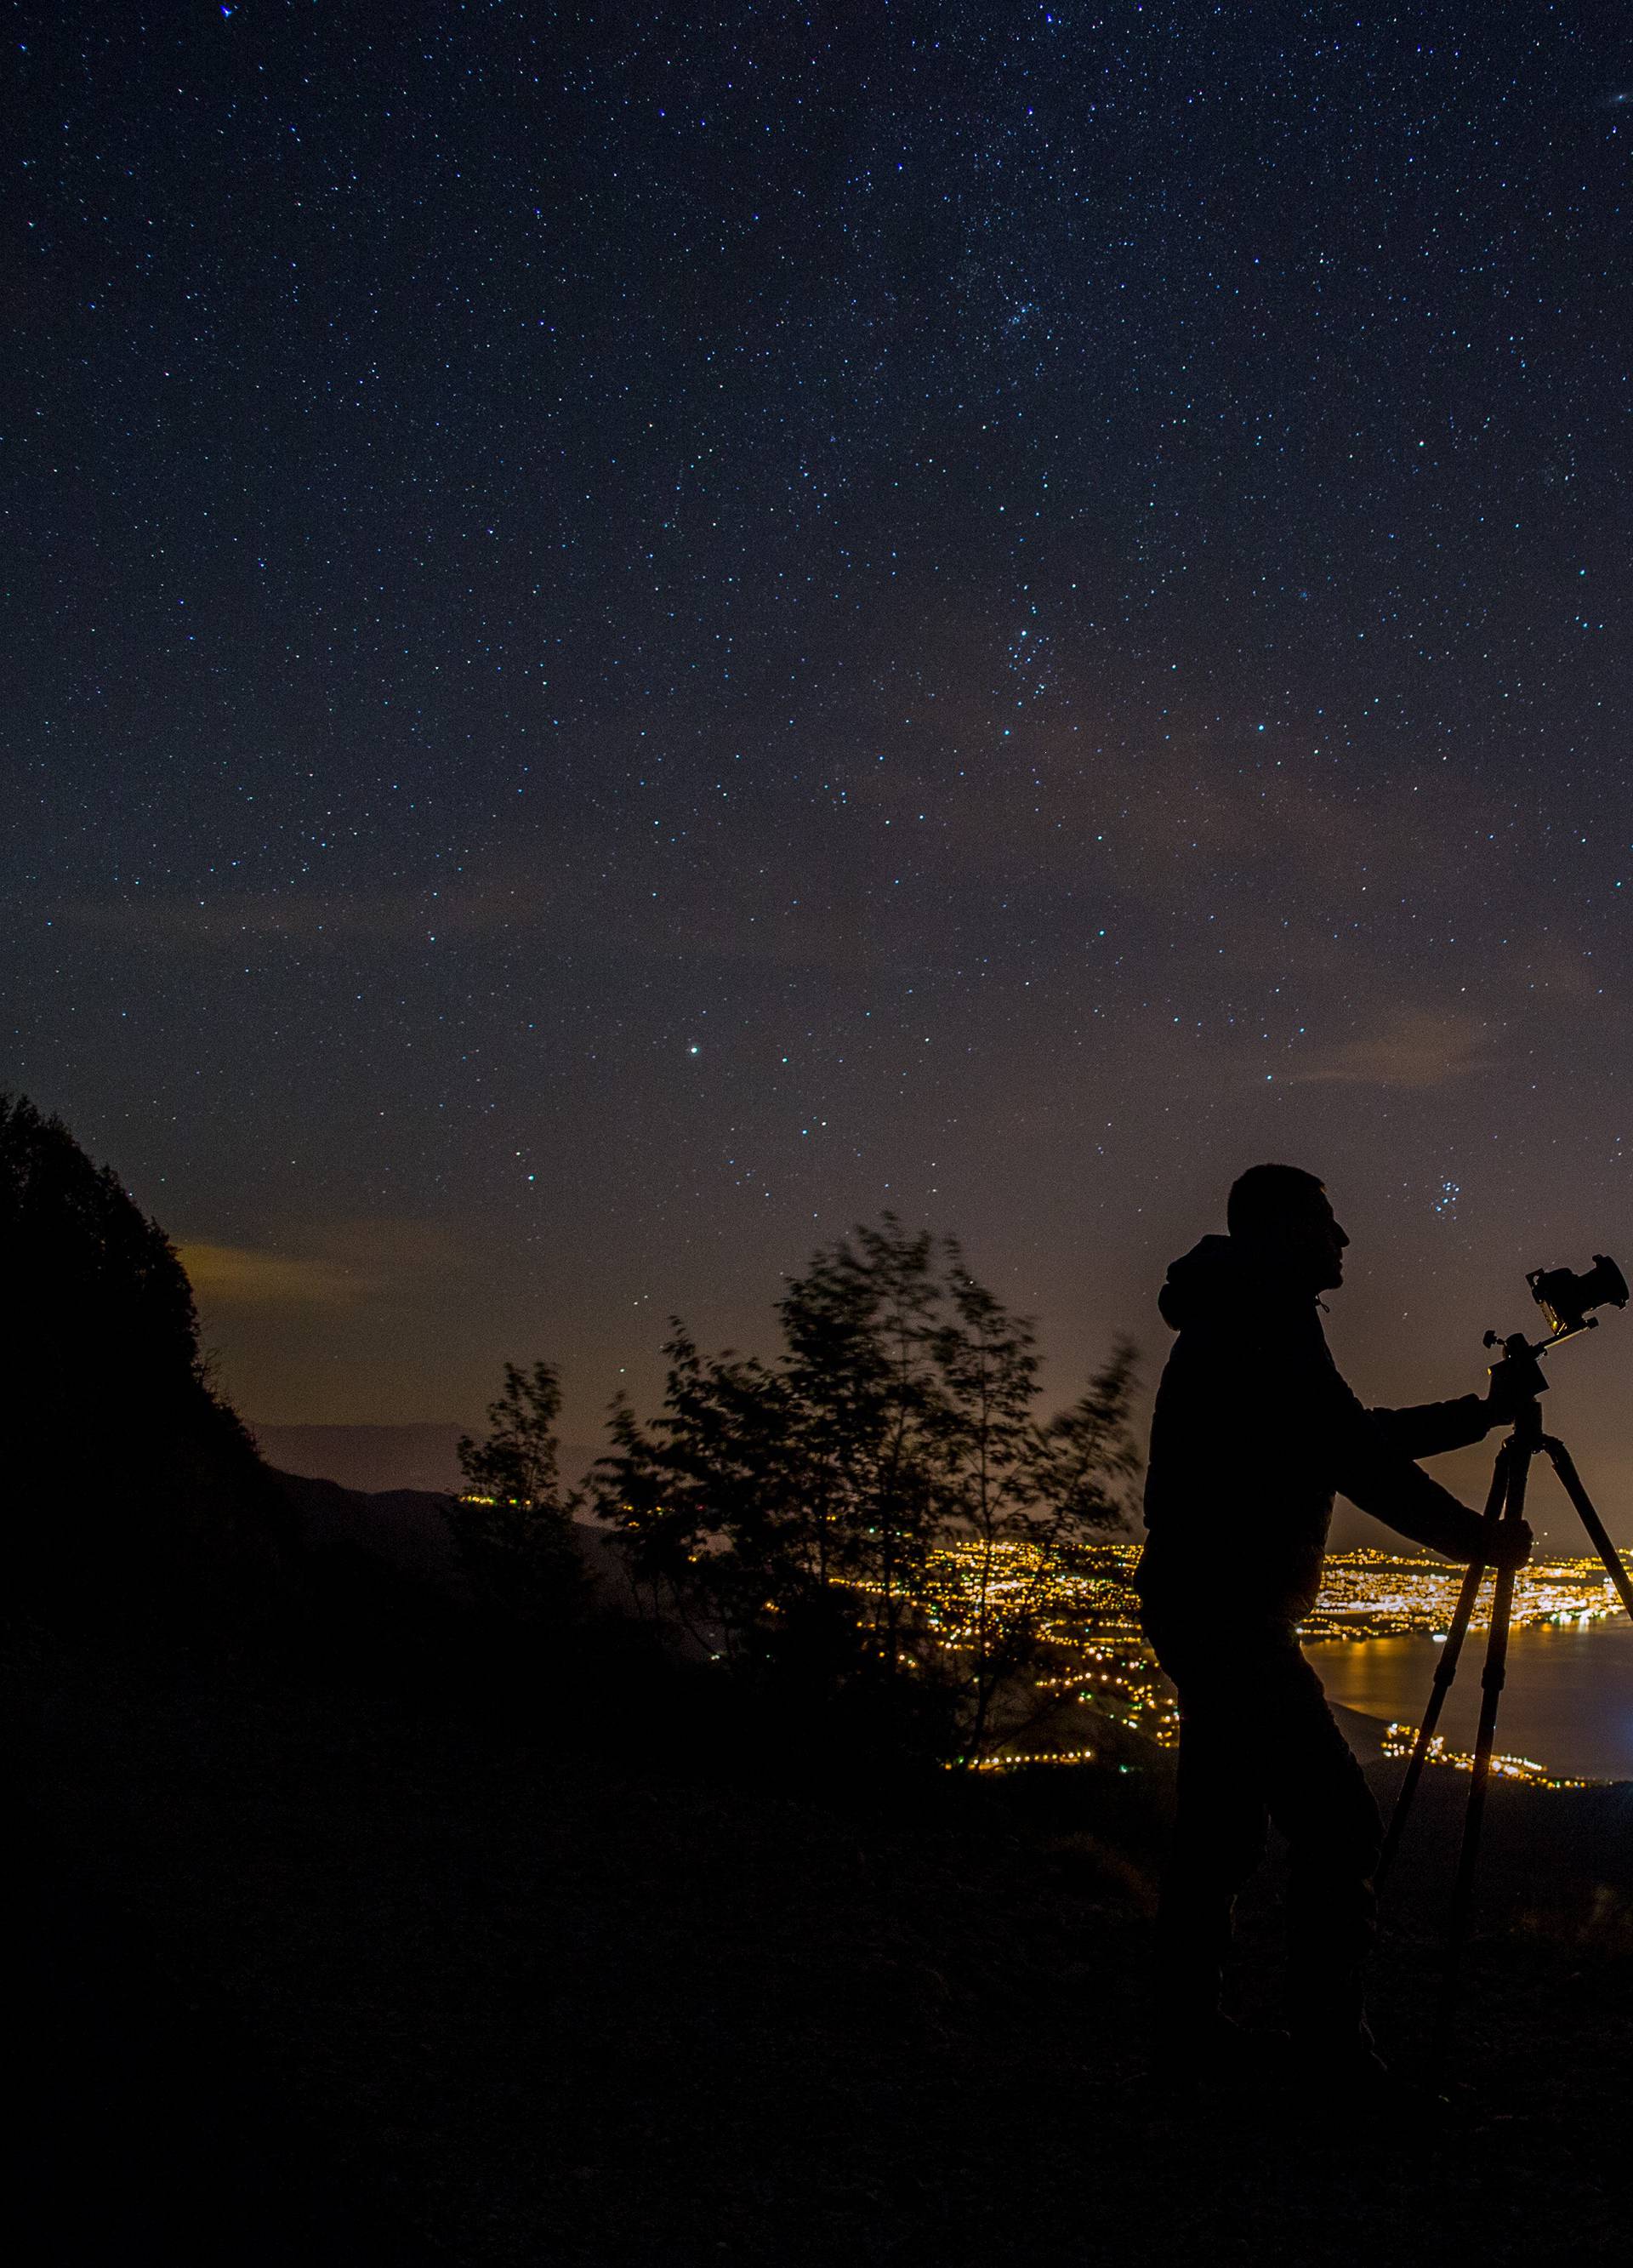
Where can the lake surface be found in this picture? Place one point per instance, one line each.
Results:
(1567, 1703)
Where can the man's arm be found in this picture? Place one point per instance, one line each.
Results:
(1433, 1427)
(1378, 1475)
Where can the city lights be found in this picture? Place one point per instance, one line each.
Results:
(1097, 1655)
(1400, 1739)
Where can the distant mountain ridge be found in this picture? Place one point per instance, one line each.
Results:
(380, 1460)
(376, 1459)
(406, 1527)
(387, 1490)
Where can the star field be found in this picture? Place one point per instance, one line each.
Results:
(637, 634)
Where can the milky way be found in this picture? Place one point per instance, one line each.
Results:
(633, 640)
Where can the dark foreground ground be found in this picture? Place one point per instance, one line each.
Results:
(306, 1975)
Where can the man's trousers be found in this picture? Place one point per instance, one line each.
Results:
(1258, 1745)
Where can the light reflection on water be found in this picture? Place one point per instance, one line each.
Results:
(1567, 1703)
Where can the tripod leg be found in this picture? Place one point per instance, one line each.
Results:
(1492, 1680)
(1571, 1483)
(1445, 1671)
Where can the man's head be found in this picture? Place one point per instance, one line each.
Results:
(1281, 1216)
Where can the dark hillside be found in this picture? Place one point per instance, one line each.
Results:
(533, 1998)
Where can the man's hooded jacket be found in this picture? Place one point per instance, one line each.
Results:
(1255, 1430)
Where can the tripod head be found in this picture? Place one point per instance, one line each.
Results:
(1521, 1379)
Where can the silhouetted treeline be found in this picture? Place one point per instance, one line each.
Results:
(876, 1517)
(132, 1475)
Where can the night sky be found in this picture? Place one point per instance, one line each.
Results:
(637, 633)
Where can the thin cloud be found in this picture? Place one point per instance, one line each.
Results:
(335, 1265)
(238, 1276)
(1418, 1051)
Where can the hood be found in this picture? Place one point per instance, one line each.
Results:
(1216, 1283)
(1202, 1284)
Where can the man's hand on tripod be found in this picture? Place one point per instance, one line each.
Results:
(1507, 1543)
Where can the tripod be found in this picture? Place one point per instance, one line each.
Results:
(1522, 1375)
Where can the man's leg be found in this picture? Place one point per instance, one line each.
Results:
(1218, 1839)
(1319, 1799)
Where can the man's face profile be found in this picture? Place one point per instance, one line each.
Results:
(1327, 1242)
(1304, 1242)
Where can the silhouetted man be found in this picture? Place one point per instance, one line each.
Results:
(1254, 1431)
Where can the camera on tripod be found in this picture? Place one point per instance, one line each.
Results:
(1565, 1297)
